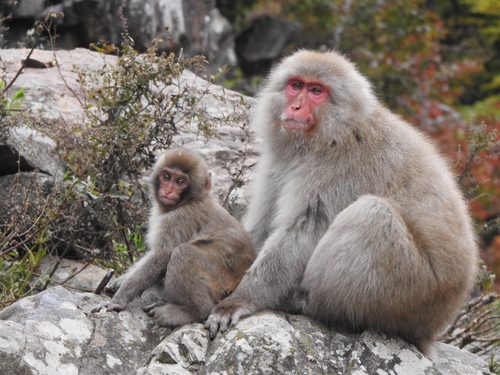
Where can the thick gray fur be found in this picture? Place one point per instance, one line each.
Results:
(360, 225)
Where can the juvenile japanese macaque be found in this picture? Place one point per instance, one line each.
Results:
(196, 248)
(356, 218)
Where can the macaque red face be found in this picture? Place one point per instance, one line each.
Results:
(304, 96)
(172, 183)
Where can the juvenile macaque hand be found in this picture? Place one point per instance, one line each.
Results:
(109, 306)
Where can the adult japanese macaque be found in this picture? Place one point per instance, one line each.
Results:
(197, 250)
(356, 218)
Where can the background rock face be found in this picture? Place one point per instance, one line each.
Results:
(54, 333)
(50, 93)
(194, 25)
(197, 27)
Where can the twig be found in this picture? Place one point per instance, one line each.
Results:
(18, 72)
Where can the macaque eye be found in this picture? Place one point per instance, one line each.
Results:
(296, 85)
(180, 181)
(165, 177)
(316, 90)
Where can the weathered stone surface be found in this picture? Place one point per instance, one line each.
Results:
(183, 352)
(25, 149)
(451, 360)
(373, 352)
(55, 333)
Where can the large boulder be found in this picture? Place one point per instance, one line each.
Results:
(54, 332)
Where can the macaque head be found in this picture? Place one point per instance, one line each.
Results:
(173, 182)
(311, 98)
(179, 176)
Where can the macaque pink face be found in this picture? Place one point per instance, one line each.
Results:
(303, 97)
(172, 183)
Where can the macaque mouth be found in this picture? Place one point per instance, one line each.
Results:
(166, 200)
(291, 123)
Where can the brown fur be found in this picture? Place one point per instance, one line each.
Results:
(197, 250)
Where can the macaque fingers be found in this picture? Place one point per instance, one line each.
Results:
(116, 307)
(108, 306)
(218, 322)
(99, 307)
(227, 314)
(151, 309)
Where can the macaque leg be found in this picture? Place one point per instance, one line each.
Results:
(170, 315)
(189, 282)
(367, 273)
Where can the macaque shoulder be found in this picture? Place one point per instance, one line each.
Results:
(204, 216)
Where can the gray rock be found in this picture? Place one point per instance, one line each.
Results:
(451, 360)
(55, 333)
(54, 94)
(26, 149)
(76, 275)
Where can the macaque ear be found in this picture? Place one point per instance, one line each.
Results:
(208, 183)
